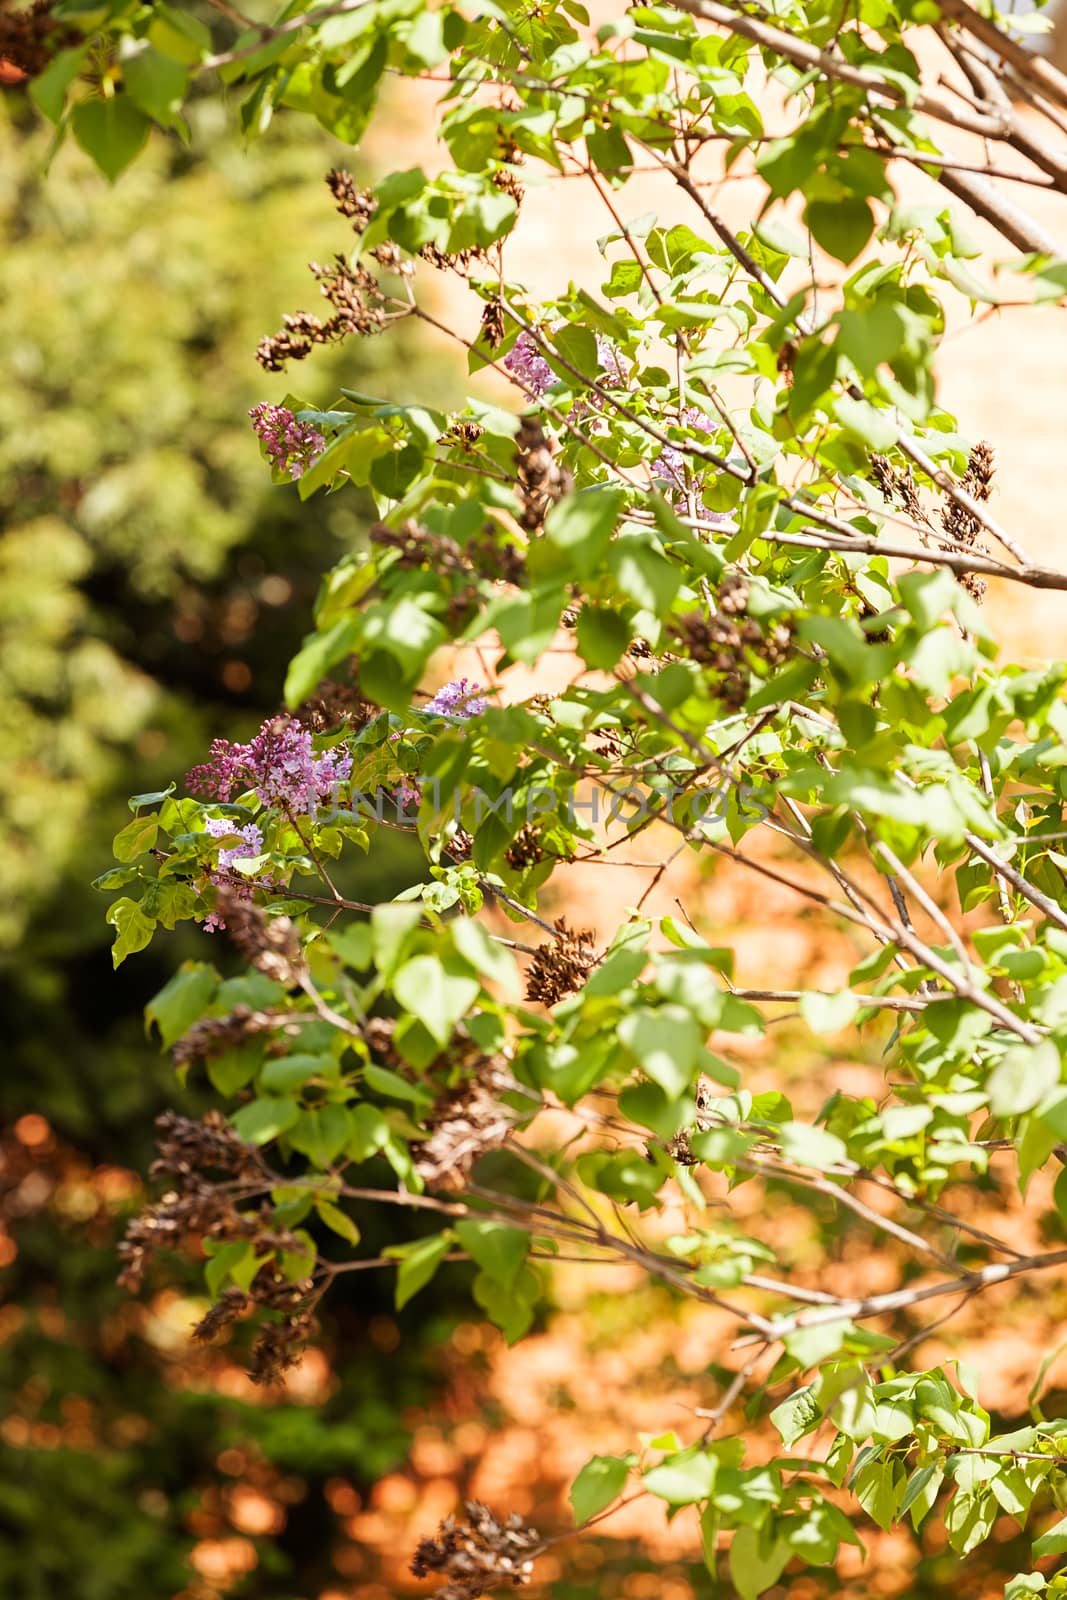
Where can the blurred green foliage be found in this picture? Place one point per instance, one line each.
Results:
(152, 589)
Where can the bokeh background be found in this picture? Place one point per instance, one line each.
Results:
(152, 589)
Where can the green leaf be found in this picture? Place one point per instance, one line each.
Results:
(879, 1488)
(263, 1120)
(666, 1042)
(182, 1001)
(752, 1569)
(112, 132)
(1053, 1542)
(921, 1491)
(417, 1263)
(842, 227)
(157, 84)
(581, 525)
(866, 422)
(438, 992)
(796, 1416)
(600, 1481)
(321, 1133)
(511, 1310)
(643, 574)
(320, 652)
(236, 1260)
(133, 929)
(476, 946)
(179, 34)
(48, 90)
(338, 1221)
(811, 1147)
(283, 1073)
(500, 1251)
(135, 838)
(828, 1013)
(1023, 1077)
(368, 1133)
(392, 925)
(683, 1479)
(603, 636)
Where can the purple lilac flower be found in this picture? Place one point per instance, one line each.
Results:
(251, 840)
(525, 362)
(279, 764)
(460, 698)
(407, 793)
(292, 446)
(610, 363)
(670, 463)
(251, 844)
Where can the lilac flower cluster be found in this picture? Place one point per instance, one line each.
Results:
(251, 843)
(292, 446)
(279, 764)
(670, 463)
(610, 364)
(526, 363)
(250, 836)
(460, 698)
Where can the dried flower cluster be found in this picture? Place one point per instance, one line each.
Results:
(478, 1555)
(898, 484)
(279, 764)
(507, 182)
(525, 850)
(29, 38)
(541, 480)
(464, 1124)
(558, 969)
(278, 1345)
(197, 1205)
(961, 526)
(459, 261)
(356, 204)
(200, 1207)
(271, 944)
(420, 548)
(212, 1036)
(680, 1147)
(493, 324)
(353, 292)
(728, 639)
(334, 705)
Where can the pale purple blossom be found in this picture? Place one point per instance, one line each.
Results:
(408, 792)
(525, 362)
(251, 840)
(670, 463)
(292, 446)
(250, 844)
(670, 466)
(610, 363)
(279, 764)
(460, 698)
